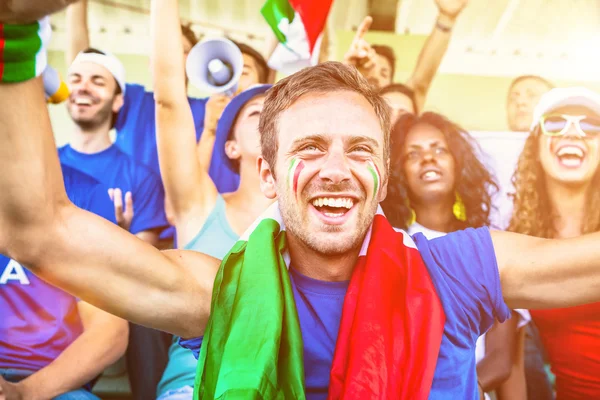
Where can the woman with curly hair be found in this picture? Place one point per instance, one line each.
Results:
(557, 195)
(438, 185)
(437, 181)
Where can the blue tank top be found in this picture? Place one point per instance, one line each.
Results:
(215, 238)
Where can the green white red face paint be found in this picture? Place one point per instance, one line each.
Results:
(296, 166)
(374, 171)
(294, 170)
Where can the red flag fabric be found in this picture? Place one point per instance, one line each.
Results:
(392, 323)
(314, 16)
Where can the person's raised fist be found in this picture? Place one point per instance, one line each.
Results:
(25, 11)
(214, 109)
(361, 54)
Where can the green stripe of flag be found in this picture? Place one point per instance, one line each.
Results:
(375, 175)
(278, 13)
(253, 288)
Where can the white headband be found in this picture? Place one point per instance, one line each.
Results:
(108, 61)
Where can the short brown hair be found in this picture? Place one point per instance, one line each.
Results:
(189, 34)
(261, 64)
(532, 77)
(388, 53)
(329, 76)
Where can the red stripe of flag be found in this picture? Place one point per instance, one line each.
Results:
(1, 51)
(299, 169)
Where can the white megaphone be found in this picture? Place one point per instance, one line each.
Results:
(215, 66)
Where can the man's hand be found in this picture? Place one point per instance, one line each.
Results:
(29, 10)
(451, 8)
(361, 54)
(124, 216)
(214, 109)
(10, 391)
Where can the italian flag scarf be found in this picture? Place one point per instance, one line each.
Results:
(390, 331)
(23, 53)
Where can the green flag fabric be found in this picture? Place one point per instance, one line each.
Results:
(262, 295)
(279, 14)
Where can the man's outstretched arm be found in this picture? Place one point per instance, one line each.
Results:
(77, 250)
(544, 273)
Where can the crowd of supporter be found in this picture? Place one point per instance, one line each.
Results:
(182, 174)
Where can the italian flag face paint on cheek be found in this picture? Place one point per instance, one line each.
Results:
(296, 166)
(376, 177)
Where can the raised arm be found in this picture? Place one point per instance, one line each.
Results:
(434, 49)
(29, 10)
(189, 188)
(80, 252)
(543, 273)
(78, 37)
(214, 108)
(500, 351)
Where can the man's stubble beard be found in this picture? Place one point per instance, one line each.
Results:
(102, 117)
(293, 223)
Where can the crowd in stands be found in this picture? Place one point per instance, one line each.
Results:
(182, 174)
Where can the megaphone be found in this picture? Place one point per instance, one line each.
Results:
(55, 88)
(215, 66)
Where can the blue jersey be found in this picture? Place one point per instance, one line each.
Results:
(463, 268)
(115, 169)
(136, 125)
(39, 321)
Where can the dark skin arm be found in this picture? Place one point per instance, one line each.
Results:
(500, 348)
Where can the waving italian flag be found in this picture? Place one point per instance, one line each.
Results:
(298, 25)
(390, 331)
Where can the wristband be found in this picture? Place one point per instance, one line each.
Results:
(23, 53)
(442, 27)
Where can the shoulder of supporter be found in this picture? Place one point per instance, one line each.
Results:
(88, 193)
(134, 97)
(464, 263)
(148, 198)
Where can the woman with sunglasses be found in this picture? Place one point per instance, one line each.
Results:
(438, 185)
(557, 185)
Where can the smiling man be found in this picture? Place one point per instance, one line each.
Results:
(322, 297)
(97, 81)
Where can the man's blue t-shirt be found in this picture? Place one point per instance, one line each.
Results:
(115, 169)
(136, 125)
(463, 268)
(39, 321)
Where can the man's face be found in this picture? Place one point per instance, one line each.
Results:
(380, 74)
(399, 103)
(92, 101)
(571, 159)
(330, 171)
(250, 75)
(522, 99)
(428, 165)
